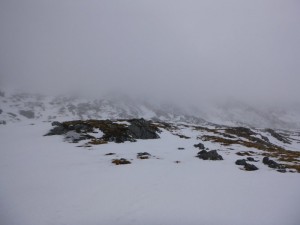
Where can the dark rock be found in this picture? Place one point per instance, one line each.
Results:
(209, 155)
(142, 129)
(57, 131)
(250, 159)
(3, 122)
(250, 167)
(265, 160)
(281, 170)
(27, 113)
(272, 163)
(279, 137)
(110, 153)
(1, 111)
(241, 162)
(181, 148)
(121, 161)
(200, 146)
(56, 123)
(143, 155)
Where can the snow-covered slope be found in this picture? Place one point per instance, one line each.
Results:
(47, 181)
(19, 106)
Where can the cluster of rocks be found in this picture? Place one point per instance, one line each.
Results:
(113, 131)
(143, 155)
(274, 165)
(247, 166)
(209, 155)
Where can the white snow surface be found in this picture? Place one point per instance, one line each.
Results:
(45, 181)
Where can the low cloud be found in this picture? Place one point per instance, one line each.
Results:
(177, 50)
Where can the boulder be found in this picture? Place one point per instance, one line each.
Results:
(250, 167)
(250, 159)
(241, 162)
(209, 155)
(142, 129)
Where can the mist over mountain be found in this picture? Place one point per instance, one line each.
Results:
(36, 107)
(171, 51)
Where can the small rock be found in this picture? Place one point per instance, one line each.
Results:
(121, 161)
(180, 148)
(209, 155)
(250, 159)
(281, 170)
(250, 167)
(143, 155)
(200, 146)
(110, 153)
(241, 162)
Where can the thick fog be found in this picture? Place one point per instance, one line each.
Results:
(180, 50)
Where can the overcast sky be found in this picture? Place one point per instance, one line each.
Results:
(173, 49)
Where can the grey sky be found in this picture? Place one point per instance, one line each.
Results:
(173, 49)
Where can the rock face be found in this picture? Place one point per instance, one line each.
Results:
(142, 129)
(209, 155)
(27, 113)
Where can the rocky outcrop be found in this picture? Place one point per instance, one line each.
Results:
(142, 129)
(113, 131)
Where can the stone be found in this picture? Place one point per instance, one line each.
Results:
(241, 162)
(180, 148)
(121, 161)
(143, 155)
(250, 167)
(200, 146)
(272, 164)
(250, 159)
(209, 155)
(142, 129)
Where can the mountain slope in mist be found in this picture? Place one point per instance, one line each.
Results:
(22, 106)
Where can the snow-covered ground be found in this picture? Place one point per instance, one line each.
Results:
(45, 181)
